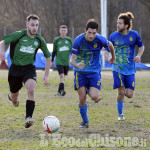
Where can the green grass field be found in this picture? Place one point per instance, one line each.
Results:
(104, 132)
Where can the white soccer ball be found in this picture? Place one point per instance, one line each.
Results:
(51, 124)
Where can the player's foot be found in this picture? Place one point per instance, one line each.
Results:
(121, 118)
(16, 104)
(84, 125)
(28, 122)
(61, 93)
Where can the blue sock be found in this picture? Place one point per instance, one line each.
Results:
(120, 108)
(83, 112)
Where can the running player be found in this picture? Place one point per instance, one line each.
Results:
(86, 59)
(23, 48)
(124, 41)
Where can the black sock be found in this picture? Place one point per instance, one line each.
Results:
(29, 108)
(61, 87)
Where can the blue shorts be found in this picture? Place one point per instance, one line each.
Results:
(128, 81)
(87, 80)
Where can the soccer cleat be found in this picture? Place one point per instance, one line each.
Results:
(16, 104)
(84, 125)
(28, 122)
(121, 118)
(61, 93)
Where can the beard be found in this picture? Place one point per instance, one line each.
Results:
(121, 30)
(32, 32)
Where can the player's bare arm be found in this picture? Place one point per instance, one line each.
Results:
(79, 65)
(137, 58)
(111, 59)
(2, 50)
(45, 78)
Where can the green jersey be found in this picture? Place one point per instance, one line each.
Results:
(26, 47)
(62, 47)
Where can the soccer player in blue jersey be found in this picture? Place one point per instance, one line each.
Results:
(86, 59)
(124, 41)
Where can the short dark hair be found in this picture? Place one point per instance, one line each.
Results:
(63, 26)
(127, 17)
(32, 16)
(92, 24)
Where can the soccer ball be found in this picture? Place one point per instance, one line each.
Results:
(51, 124)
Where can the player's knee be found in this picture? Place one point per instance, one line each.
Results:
(61, 76)
(121, 93)
(82, 98)
(129, 95)
(94, 98)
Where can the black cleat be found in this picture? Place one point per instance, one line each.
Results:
(61, 93)
(84, 125)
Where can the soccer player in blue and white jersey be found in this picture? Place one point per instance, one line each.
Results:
(124, 41)
(86, 59)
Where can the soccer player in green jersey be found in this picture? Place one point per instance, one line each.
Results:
(23, 48)
(62, 46)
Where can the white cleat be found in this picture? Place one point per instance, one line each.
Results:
(29, 122)
(121, 118)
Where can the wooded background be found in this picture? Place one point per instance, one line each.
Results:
(73, 13)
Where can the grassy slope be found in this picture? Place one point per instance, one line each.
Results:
(103, 116)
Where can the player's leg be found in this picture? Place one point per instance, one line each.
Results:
(80, 86)
(94, 82)
(94, 93)
(129, 85)
(30, 103)
(30, 86)
(83, 107)
(120, 102)
(65, 72)
(14, 98)
(29, 80)
(15, 84)
(129, 93)
(119, 84)
(61, 91)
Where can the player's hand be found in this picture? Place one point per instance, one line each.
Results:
(111, 60)
(137, 59)
(52, 65)
(80, 65)
(46, 80)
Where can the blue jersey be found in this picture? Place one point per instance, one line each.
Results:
(89, 52)
(125, 51)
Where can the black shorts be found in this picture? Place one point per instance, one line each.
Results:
(18, 74)
(63, 69)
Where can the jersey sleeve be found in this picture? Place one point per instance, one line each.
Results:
(55, 44)
(12, 37)
(44, 48)
(75, 47)
(139, 40)
(109, 39)
(71, 43)
(105, 42)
